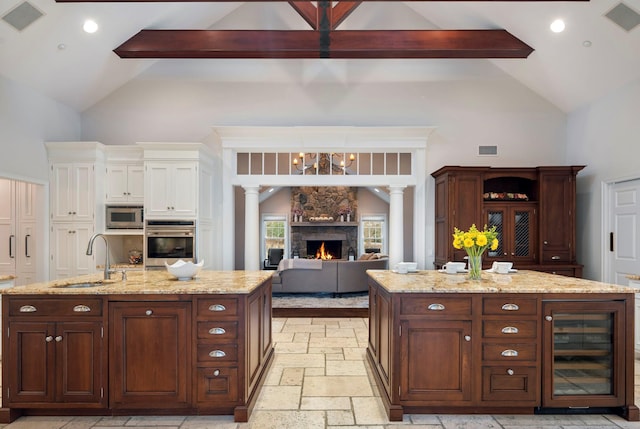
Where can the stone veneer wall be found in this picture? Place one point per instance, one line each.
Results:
(316, 201)
(324, 200)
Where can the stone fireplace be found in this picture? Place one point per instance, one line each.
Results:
(306, 238)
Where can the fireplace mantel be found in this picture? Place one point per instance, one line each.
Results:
(334, 224)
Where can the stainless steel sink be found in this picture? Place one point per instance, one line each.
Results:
(81, 285)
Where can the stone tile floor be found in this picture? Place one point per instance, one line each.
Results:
(320, 380)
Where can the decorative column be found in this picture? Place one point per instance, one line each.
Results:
(396, 224)
(251, 228)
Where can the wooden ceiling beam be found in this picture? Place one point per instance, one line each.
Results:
(308, 44)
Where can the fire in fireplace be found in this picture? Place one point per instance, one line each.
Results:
(325, 249)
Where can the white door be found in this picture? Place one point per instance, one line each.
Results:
(7, 227)
(624, 243)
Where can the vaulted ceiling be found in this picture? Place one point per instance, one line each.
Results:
(273, 41)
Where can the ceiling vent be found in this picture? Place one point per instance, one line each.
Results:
(624, 16)
(487, 150)
(22, 16)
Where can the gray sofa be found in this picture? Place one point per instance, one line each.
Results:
(334, 277)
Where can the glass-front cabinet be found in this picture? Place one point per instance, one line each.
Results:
(583, 359)
(516, 228)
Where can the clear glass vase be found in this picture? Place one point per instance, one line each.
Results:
(475, 267)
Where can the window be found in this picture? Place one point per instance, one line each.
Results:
(373, 236)
(274, 235)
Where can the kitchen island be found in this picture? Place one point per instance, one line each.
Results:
(149, 344)
(520, 343)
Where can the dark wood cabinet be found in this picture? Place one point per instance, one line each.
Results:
(150, 354)
(532, 208)
(55, 364)
(501, 352)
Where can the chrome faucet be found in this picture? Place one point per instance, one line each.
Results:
(107, 262)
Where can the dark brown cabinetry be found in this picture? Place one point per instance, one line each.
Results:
(162, 353)
(533, 210)
(150, 354)
(60, 362)
(500, 353)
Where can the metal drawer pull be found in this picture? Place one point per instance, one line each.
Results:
(509, 353)
(436, 307)
(555, 258)
(58, 338)
(216, 373)
(81, 308)
(509, 330)
(217, 307)
(217, 331)
(510, 371)
(28, 309)
(148, 312)
(48, 338)
(217, 353)
(510, 307)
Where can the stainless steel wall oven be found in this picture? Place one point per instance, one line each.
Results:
(169, 241)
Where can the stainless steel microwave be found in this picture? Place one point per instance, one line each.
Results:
(125, 217)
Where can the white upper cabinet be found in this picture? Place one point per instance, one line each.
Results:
(125, 183)
(72, 192)
(172, 189)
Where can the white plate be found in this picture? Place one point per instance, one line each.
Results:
(511, 271)
(465, 271)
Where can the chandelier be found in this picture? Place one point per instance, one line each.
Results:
(323, 163)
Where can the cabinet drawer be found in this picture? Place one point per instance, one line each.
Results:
(217, 307)
(556, 256)
(509, 352)
(509, 329)
(217, 330)
(509, 383)
(435, 306)
(515, 306)
(217, 384)
(55, 307)
(217, 353)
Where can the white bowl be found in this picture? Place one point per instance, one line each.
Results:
(184, 270)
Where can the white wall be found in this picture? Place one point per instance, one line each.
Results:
(605, 137)
(27, 119)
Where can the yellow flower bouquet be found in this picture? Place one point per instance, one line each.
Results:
(475, 242)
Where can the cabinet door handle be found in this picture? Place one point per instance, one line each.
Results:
(509, 353)
(548, 318)
(510, 307)
(81, 308)
(217, 307)
(216, 373)
(436, 307)
(58, 338)
(26, 246)
(555, 258)
(28, 309)
(48, 338)
(509, 330)
(217, 331)
(217, 353)
(510, 371)
(467, 337)
(11, 238)
(148, 312)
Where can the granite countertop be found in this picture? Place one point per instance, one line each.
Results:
(150, 282)
(432, 281)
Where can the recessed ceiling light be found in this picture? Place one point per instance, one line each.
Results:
(90, 26)
(62, 46)
(557, 26)
(586, 43)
